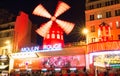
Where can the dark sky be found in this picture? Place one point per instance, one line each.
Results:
(75, 14)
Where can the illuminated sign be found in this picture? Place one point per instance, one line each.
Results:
(26, 49)
(44, 69)
(72, 68)
(106, 59)
(57, 69)
(52, 47)
(46, 48)
(114, 45)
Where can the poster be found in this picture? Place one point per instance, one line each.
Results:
(107, 60)
(50, 62)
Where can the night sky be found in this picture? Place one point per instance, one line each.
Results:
(75, 14)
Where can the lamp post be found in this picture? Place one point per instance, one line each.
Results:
(85, 32)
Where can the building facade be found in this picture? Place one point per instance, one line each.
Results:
(103, 23)
(6, 38)
(102, 11)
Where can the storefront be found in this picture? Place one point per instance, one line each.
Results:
(104, 54)
(50, 60)
(4, 64)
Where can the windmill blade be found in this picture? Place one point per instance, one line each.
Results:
(41, 11)
(44, 29)
(61, 8)
(66, 26)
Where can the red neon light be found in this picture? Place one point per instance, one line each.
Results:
(52, 31)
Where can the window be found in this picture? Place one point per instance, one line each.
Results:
(112, 2)
(91, 6)
(99, 5)
(93, 39)
(117, 24)
(107, 3)
(48, 36)
(7, 34)
(53, 35)
(118, 37)
(92, 28)
(108, 14)
(116, 1)
(117, 12)
(58, 36)
(91, 17)
(99, 16)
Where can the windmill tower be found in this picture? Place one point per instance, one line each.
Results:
(52, 31)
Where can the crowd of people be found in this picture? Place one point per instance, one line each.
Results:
(66, 73)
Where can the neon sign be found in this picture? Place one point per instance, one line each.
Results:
(35, 48)
(45, 48)
(114, 45)
(52, 47)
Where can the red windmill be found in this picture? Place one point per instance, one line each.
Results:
(52, 31)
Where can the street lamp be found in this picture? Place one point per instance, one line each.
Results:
(7, 42)
(85, 32)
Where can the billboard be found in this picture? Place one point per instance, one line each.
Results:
(107, 59)
(50, 62)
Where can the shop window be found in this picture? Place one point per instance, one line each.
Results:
(117, 12)
(92, 28)
(91, 17)
(108, 14)
(117, 24)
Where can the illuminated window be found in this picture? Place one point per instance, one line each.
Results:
(99, 16)
(117, 24)
(58, 36)
(53, 35)
(48, 36)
